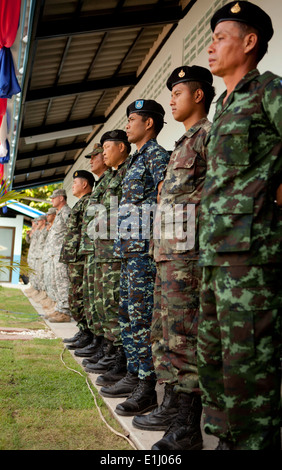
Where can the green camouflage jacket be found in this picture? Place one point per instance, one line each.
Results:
(240, 223)
(106, 217)
(181, 191)
(86, 243)
(70, 246)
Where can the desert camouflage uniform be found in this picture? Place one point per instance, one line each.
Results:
(41, 240)
(146, 169)
(31, 259)
(47, 261)
(107, 268)
(240, 248)
(69, 256)
(60, 278)
(86, 248)
(176, 309)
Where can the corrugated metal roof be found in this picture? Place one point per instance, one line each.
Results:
(82, 54)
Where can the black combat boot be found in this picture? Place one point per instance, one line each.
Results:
(85, 338)
(123, 388)
(99, 353)
(74, 338)
(160, 418)
(142, 399)
(184, 433)
(106, 361)
(116, 372)
(91, 348)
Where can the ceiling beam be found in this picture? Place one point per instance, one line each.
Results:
(51, 166)
(78, 88)
(32, 131)
(39, 182)
(51, 151)
(57, 26)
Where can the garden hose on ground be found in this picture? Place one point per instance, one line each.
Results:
(97, 406)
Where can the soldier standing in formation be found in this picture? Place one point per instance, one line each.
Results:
(59, 277)
(145, 171)
(112, 365)
(49, 303)
(176, 299)
(239, 342)
(89, 349)
(83, 182)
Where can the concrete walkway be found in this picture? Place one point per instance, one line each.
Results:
(142, 440)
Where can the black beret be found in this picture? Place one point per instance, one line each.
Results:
(86, 175)
(97, 148)
(145, 106)
(189, 74)
(245, 12)
(116, 135)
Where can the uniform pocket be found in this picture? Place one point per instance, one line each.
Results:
(232, 227)
(234, 141)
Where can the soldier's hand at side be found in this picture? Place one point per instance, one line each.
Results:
(279, 196)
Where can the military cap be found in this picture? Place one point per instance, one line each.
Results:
(42, 217)
(194, 73)
(84, 174)
(145, 106)
(59, 192)
(116, 135)
(97, 148)
(51, 211)
(245, 12)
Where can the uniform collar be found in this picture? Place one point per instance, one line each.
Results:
(246, 79)
(188, 134)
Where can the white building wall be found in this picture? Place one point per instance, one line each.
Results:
(17, 223)
(186, 46)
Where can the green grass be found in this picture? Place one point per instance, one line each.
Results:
(16, 311)
(44, 404)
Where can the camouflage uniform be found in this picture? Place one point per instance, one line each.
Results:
(31, 259)
(175, 317)
(39, 260)
(240, 249)
(47, 261)
(107, 268)
(60, 278)
(69, 255)
(86, 248)
(146, 169)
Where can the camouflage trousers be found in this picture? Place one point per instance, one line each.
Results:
(76, 301)
(33, 276)
(239, 346)
(106, 298)
(135, 314)
(47, 276)
(88, 292)
(175, 324)
(60, 284)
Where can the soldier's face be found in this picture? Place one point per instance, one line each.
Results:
(111, 153)
(78, 187)
(227, 51)
(56, 201)
(97, 163)
(135, 128)
(182, 102)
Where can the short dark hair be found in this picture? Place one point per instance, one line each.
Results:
(157, 119)
(262, 45)
(209, 92)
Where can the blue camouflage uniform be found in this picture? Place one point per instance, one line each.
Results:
(146, 169)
